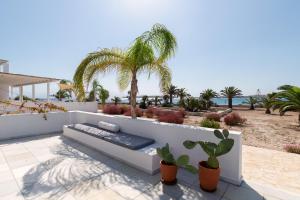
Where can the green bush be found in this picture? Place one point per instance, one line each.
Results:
(209, 123)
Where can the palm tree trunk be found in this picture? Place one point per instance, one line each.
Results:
(133, 94)
(252, 106)
(229, 102)
(268, 111)
(299, 119)
(171, 98)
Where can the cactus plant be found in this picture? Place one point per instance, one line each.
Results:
(213, 150)
(182, 161)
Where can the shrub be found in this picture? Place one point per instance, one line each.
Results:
(138, 111)
(124, 109)
(150, 112)
(112, 109)
(292, 148)
(233, 119)
(171, 117)
(182, 112)
(213, 116)
(208, 123)
(162, 112)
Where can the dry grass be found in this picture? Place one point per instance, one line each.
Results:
(261, 130)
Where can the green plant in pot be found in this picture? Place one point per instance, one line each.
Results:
(169, 165)
(209, 171)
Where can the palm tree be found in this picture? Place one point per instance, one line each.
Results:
(144, 102)
(181, 93)
(288, 100)
(206, 97)
(285, 87)
(156, 100)
(94, 92)
(147, 54)
(103, 95)
(251, 101)
(171, 91)
(231, 92)
(267, 102)
(66, 92)
(116, 100)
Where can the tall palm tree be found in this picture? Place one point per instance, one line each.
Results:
(288, 100)
(171, 91)
(147, 54)
(206, 97)
(267, 102)
(231, 92)
(116, 100)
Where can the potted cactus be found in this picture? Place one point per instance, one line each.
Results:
(209, 171)
(169, 165)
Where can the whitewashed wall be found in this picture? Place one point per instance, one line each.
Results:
(22, 125)
(13, 126)
(175, 135)
(81, 106)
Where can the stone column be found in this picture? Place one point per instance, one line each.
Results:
(48, 92)
(33, 92)
(21, 93)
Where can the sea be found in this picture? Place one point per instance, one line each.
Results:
(219, 101)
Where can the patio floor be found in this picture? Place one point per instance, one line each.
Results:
(54, 167)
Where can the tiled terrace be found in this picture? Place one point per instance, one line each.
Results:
(54, 167)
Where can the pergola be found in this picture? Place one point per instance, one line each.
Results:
(11, 80)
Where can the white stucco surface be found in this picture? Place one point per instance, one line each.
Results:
(13, 126)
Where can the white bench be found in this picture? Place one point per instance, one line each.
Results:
(145, 159)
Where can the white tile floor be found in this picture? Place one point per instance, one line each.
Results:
(54, 167)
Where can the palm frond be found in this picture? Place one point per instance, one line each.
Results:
(97, 62)
(162, 40)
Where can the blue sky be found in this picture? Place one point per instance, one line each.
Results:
(250, 44)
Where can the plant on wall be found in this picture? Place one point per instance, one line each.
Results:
(38, 107)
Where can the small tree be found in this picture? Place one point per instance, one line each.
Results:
(267, 102)
(103, 96)
(288, 100)
(251, 101)
(206, 97)
(116, 100)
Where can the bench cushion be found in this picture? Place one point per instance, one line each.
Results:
(108, 126)
(129, 141)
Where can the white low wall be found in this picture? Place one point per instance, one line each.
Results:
(175, 135)
(81, 106)
(21, 125)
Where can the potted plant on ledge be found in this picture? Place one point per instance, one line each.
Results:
(209, 171)
(169, 165)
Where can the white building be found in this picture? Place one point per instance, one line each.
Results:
(8, 81)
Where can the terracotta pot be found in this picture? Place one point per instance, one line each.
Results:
(208, 178)
(168, 173)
